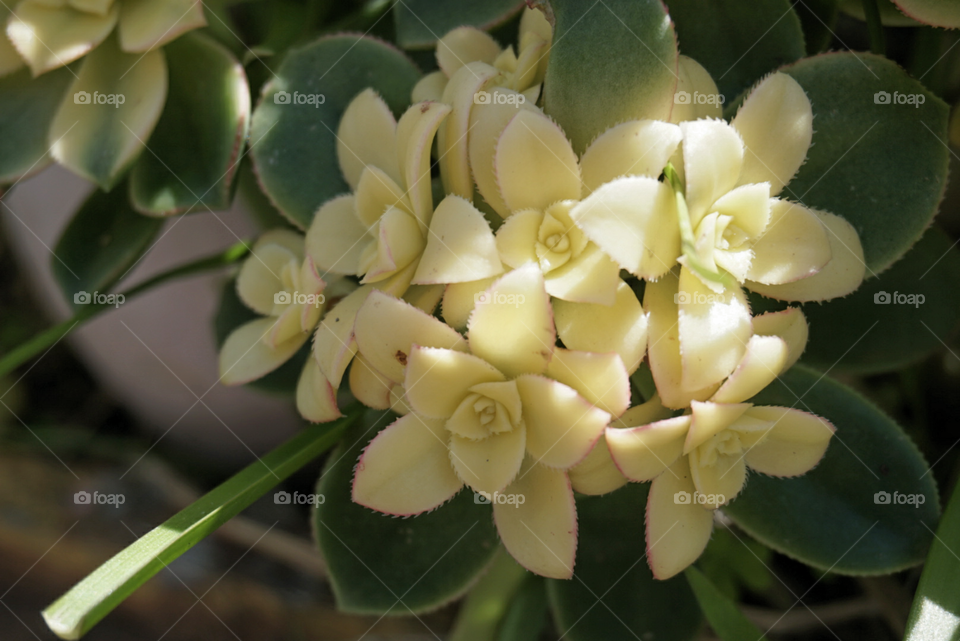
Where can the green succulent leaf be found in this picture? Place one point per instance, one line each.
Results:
(818, 19)
(738, 42)
(583, 91)
(939, 13)
(27, 107)
(378, 563)
(881, 165)
(873, 489)
(420, 23)
(613, 595)
(101, 243)
(527, 614)
(890, 14)
(193, 154)
(893, 320)
(294, 144)
(724, 616)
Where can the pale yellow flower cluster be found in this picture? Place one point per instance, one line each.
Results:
(519, 385)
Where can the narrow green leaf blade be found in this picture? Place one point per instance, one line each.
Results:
(724, 616)
(489, 600)
(527, 615)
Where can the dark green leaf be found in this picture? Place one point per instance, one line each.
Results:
(583, 91)
(294, 145)
(612, 595)
(192, 156)
(818, 19)
(737, 42)
(488, 601)
(527, 614)
(420, 23)
(724, 616)
(832, 518)
(102, 242)
(883, 167)
(27, 107)
(378, 563)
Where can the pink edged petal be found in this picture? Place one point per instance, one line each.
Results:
(259, 279)
(591, 277)
(460, 246)
(464, 45)
(147, 24)
(488, 465)
(790, 325)
(415, 133)
(695, 81)
(517, 301)
(634, 221)
(642, 453)
(718, 481)
(336, 238)
(709, 419)
(375, 194)
(596, 474)
(387, 329)
(763, 362)
(334, 343)
(712, 157)
(841, 276)
(677, 529)
(562, 426)
(430, 87)
(437, 380)
(245, 356)
(620, 328)
(369, 386)
(659, 299)
(794, 246)
(793, 446)
(459, 300)
(541, 532)
(316, 398)
(367, 136)
(634, 148)
(49, 38)
(599, 378)
(713, 330)
(534, 163)
(399, 245)
(406, 469)
(517, 238)
(776, 124)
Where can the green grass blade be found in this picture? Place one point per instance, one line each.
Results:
(724, 616)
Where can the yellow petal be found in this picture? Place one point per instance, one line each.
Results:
(459, 300)
(437, 380)
(534, 163)
(634, 221)
(642, 453)
(763, 361)
(599, 378)
(490, 464)
(712, 157)
(99, 7)
(367, 135)
(697, 95)
(334, 343)
(790, 325)
(528, 69)
(709, 419)
(246, 356)
(776, 124)
(841, 276)
(794, 246)
(720, 481)
(620, 328)
(259, 278)
(430, 87)
(406, 470)
(376, 193)
(316, 398)
(148, 24)
(591, 277)
(369, 386)
(464, 45)
(793, 446)
(597, 473)
(48, 38)
(562, 426)
(415, 133)
(639, 415)
(336, 238)
(677, 530)
(10, 60)
(541, 532)
(517, 238)
(518, 301)
(713, 330)
(634, 148)
(460, 246)
(749, 206)
(424, 297)
(399, 244)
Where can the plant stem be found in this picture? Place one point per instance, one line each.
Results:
(872, 13)
(25, 351)
(72, 615)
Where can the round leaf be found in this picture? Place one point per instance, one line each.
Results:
(850, 514)
(294, 144)
(420, 23)
(939, 13)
